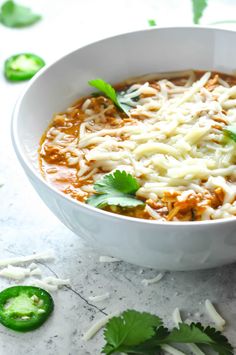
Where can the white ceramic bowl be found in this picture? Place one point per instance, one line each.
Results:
(161, 245)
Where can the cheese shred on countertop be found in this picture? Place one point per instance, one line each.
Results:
(215, 316)
(177, 320)
(98, 325)
(155, 279)
(99, 298)
(46, 255)
(108, 259)
(171, 350)
(173, 143)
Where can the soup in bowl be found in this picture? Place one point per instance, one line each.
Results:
(164, 151)
(143, 170)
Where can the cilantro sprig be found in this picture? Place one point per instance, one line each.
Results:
(123, 332)
(198, 9)
(134, 332)
(14, 15)
(111, 93)
(115, 189)
(152, 22)
(230, 132)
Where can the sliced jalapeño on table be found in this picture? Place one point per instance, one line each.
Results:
(22, 66)
(24, 308)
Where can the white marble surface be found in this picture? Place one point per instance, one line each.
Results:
(27, 226)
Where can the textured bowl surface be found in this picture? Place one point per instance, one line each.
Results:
(161, 245)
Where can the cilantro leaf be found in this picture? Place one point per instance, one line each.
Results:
(101, 201)
(150, 346)
(143, 334)
(198, 8)
(220, 342)
(106, 88)
(110, 92)
(115, 189)
(118, 181)
(152, 23)
(130, 329)
(14, 15)
(230, 131)
(188, 334)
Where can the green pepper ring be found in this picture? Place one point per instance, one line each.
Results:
(13, 320)
(22, 74)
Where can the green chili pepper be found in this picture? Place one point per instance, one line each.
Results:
(24, 308)
(22, 66)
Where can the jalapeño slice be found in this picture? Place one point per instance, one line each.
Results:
(24, 308)
(22, 66)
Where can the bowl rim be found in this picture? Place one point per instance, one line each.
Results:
(29, 168)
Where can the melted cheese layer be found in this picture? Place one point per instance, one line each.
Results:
(172, 142)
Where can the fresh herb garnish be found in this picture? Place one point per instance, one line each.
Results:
(115, 189)
(198, 9)
(124, 331)
(220, 342)
(230, 131)
(152, 23)
(111, 93)
(143, 333)
(14, 15)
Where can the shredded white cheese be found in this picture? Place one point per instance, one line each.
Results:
(177, 145)
(56, 281)
(155, 279)
(152, 212)
(47, 255)
(98, 325)
(45, 285)
(15, 272)
(99, 298)
(36, 272)
(176, 317)
(195, 349)
(171, 350)
(177, 320)
(214, 315)
(51, 283)
(108, 259)
(33, 266)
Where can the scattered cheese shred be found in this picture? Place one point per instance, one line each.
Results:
(98, 325)
(195, 349)
(177, 320)
(33, 266)
(56, 281)
(171, 350)
(52, 283)
(214, 315)
(15, 272)
(176, 317)
(108, 259)
(99, 298)
(25, 259)
(45, 285)
(36, 272)
(156, 279)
